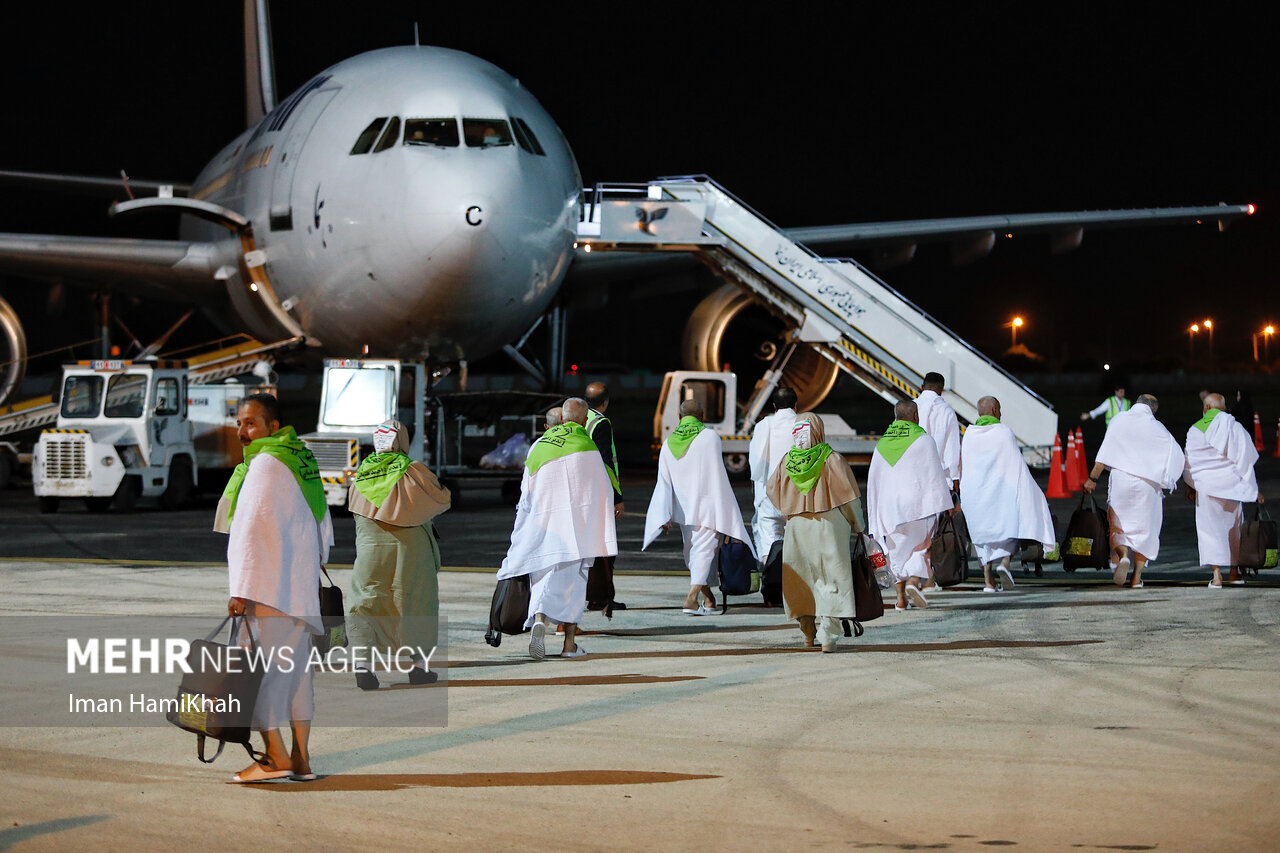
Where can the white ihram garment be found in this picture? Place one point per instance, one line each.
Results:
(1000, 498)
(1144, 459)
(564, 520)
(694, 492)
(770, 442)
(1220, 467)
(939, 420)
(904, 501)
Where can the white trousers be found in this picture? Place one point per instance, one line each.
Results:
(700, 547)
(1218, 530)
(559, 592)
(769, 523)
(907, 547)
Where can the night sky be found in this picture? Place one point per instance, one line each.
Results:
(811, 113)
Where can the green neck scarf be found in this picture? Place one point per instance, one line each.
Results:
(379, 473)
(1203, 423)
(284, 445)
(561, 441)
(986, 420)
(804, 467)
(897, 438)
(683, 435)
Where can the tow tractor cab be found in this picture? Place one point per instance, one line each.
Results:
(356, 396)
(122, 433)
(718, 394)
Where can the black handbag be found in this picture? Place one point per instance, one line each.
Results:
(737, 569)
(216, 698)
(509, 609)
(867, 601)
(1087, 543)
(333, 616)
(1258, 541)
(948, 555)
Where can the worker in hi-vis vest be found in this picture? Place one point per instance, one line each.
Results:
(1112, 406)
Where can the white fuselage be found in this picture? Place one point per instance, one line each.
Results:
(415, 250)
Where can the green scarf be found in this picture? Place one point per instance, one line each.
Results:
(683, 435)
(897, 438)
(561, 441)
(804, 467)
(379, 473)
(1203, 423)
(986, 420)
(284, 445)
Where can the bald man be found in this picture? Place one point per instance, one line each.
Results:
(906, 490)
(1220, 476)
(1000, 497)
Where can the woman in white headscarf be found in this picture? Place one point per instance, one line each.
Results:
(394, 600)
(814, 488)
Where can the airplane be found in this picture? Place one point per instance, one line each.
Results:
(410, 201)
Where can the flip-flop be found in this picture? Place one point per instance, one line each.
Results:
(693, 611)
(537, 642)
(707, 610)
(916, 597)
(257, 773)
(1121, 574)
(578, 652)
(989, 589)
(303, 777)
(1213, 585)
(1006, 576)
(1137, 585)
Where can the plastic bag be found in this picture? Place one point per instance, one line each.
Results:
(510, 454)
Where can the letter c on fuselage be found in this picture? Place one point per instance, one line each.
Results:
(473, 215)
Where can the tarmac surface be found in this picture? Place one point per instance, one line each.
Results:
(1064, 714)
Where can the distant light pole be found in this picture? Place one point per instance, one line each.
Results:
(1208, 324)
(1266, 340)
(1014, 325)
(1191, 342)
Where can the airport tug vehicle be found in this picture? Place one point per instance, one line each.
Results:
(131, 429)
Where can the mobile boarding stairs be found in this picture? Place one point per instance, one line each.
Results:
(836, 306)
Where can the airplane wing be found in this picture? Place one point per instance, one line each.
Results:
(82, 183)
(974, 236)
(172, 270)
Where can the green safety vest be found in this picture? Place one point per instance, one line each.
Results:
(593, 419)
(1115, 406)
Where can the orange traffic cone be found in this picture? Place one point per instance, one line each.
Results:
(1083, 472)
(1257, 432)
(1057, 472)
(1074, 483)
(1277, 452)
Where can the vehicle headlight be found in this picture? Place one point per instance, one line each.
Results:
(108, 460)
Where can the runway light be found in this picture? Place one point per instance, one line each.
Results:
(1106, 367)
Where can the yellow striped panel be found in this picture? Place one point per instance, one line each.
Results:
(879, 368)
(66, 431)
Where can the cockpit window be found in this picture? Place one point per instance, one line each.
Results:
(431, 131)
(370, 133)
(524, 135)
(390, 136)
(486, 132)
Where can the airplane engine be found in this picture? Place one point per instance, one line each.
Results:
(14, 365)
(731, 327)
